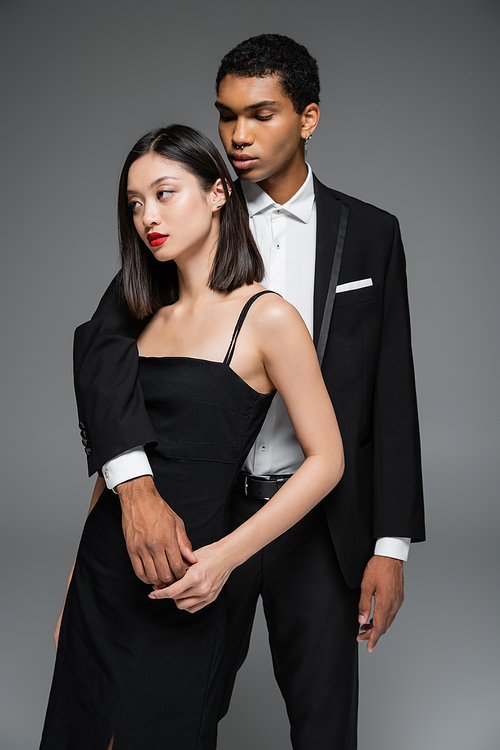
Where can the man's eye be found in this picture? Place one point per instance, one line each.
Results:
(263, 117)
(226, 118)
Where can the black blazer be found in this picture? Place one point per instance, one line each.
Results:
(367, 367)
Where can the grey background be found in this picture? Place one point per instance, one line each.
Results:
(410, 122)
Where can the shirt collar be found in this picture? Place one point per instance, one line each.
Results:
(300, 205)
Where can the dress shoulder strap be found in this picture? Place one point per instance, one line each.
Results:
(239, 323)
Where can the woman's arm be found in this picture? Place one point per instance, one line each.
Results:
(98, 488)
(291, 363)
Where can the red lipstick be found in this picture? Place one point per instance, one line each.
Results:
(155, 239)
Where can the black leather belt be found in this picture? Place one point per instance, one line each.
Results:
(264, 488)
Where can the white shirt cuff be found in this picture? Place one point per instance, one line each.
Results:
(393, 546)
(129, 465)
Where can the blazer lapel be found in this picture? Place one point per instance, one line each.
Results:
(328, 209)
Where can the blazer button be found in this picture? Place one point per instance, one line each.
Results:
(81, 426)
(88, 451)
(85, 442)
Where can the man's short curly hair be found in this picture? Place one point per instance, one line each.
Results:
(274, 54)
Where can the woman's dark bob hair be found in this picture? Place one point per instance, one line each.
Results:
(148, 284)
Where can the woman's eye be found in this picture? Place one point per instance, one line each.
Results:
(133, 204)
(164, 193)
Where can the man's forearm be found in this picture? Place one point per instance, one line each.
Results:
(111, 409)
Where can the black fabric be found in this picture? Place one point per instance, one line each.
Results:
(108, 393)
(334, 277)
(311, 616)
(367, 367)
(368, 370)
(126, 665)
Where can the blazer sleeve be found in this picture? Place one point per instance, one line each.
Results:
(398, 490)
(111, 411)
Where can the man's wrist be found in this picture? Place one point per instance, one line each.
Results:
(397, 547)
(129, 491)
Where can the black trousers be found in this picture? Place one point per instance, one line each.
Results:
(311, 617)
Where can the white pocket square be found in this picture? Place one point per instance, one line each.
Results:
(354, 285)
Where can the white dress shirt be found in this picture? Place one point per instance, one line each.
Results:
(286, 237)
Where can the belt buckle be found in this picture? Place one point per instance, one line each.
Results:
(258, 495)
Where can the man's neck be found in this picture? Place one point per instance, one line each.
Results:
(281, 187)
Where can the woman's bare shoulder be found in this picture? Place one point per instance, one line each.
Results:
(274, 310)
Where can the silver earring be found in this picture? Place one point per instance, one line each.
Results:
(306, 143)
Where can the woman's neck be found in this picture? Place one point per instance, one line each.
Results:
(193, 278)
(194, 269)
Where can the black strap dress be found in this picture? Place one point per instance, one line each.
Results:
(127, 665)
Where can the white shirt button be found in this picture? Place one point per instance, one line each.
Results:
(106, 473)
(263, 447)
(278, 245)
(278, 210)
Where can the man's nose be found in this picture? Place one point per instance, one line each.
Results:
(242, 135)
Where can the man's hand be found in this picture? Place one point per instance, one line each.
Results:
(382, 580)
(156, 539)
